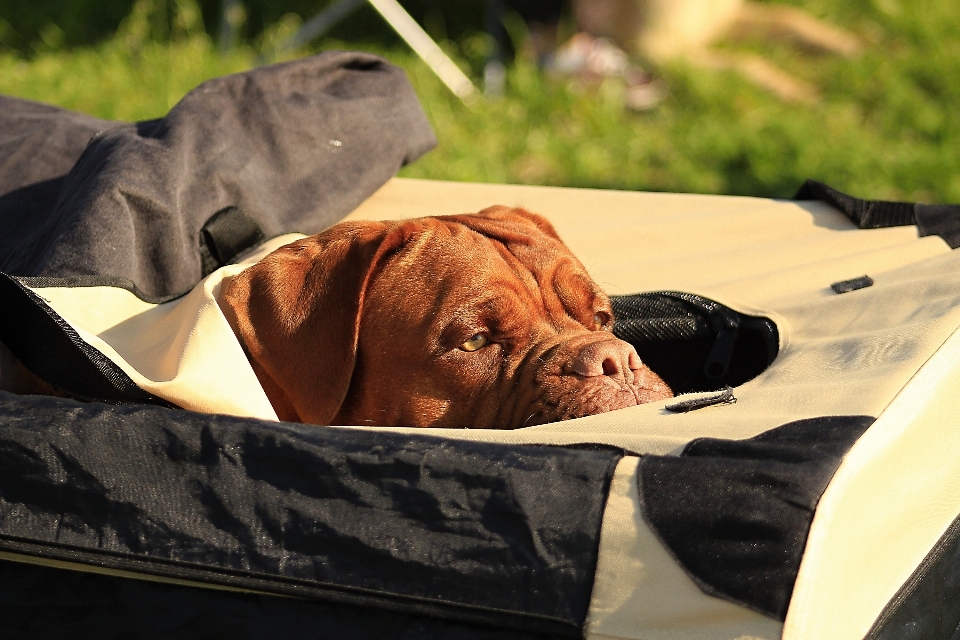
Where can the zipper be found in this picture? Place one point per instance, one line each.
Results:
(724, 321)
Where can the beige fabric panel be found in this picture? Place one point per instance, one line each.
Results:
(641, 593)
(893, 496)
(166, 349)
(633, 241)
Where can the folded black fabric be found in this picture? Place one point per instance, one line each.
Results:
(294, 146)
(736, 513)
(481, 533)
(39, 144)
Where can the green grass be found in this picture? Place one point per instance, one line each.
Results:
(888, 125)
(128, 77)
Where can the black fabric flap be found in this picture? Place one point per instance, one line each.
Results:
(475, 532)
(736, 513)
(939, 220)
(52, 350)
(39, 145)
(43, 602)
(296, 146)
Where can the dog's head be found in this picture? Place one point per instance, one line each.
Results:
(483, 320)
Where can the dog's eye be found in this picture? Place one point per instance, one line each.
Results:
(478, 341)
(601, 318)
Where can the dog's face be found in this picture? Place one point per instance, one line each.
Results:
(484, 321)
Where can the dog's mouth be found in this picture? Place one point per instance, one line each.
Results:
(567, 397)
(585, 375)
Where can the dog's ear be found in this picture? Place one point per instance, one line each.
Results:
(298, 310)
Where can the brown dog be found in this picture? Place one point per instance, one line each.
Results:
(483, 320)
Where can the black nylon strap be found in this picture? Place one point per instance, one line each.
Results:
(931, 219)
(866, 214)
(228, 233)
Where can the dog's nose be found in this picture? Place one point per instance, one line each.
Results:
(612, 358)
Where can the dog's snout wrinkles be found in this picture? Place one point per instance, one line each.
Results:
(612, 358)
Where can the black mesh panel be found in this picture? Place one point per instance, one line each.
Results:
(693, 343)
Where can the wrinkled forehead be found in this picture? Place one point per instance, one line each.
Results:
(440, 249)
(450, 264)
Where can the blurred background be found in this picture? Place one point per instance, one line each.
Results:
(754, 113)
